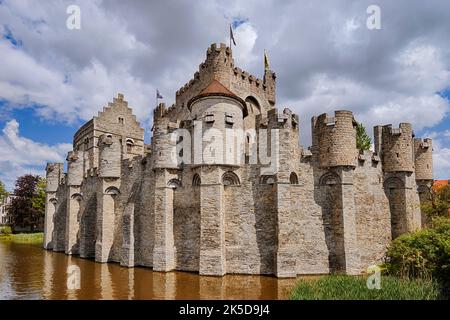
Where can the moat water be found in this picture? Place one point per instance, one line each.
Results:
(29, 272)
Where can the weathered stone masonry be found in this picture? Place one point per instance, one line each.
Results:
(326, 208)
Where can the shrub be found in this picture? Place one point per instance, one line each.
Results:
(423, 254)
(5, 230)
(341, 287)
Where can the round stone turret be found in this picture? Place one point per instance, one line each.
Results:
(397, 148)
(163, 142)
(219, 61)
(110, 156)
(334, 139)
(423, 159)
(221, 115)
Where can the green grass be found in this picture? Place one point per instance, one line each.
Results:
(31, 238)
(340, 287)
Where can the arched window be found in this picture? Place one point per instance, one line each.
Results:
(77, 196)
(251, 106)
(229, 178)
(424, 192)
(174, 183)
(267, 180)
(112, 191)
(130, 144)
(329, 178)
(76, 206)
(423, 189)
(293, 179)
(196, 181)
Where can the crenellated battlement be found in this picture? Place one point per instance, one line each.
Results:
(423, 158)
(395, 146)
(425, 143)
(219, 65)
(334, 139)
(368, 158)
(284, 120)
(252, 81)
(214, 54)
(159, 112)
(218, 59)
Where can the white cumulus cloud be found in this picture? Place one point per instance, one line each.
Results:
(19, 155)
(324, 56)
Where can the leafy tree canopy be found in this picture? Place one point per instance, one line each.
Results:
(438, 202)
(38, 200)
(28, 207)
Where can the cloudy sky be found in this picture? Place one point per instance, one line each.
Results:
(52, 79)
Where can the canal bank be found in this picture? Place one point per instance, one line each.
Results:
(30, 238)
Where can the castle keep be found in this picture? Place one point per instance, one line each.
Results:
(225, 186)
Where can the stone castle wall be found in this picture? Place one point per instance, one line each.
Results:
(313, 210)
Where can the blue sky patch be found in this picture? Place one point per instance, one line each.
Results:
(38, 129)
(8, 35)
(237, 21)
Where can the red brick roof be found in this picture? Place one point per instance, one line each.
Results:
(437, 184)
(215, 87)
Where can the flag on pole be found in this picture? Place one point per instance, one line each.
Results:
(158, 95)
(232, 36)
(266, 61)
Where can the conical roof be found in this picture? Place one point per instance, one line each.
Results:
(215, 88)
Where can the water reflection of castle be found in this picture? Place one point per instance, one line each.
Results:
(110, 281)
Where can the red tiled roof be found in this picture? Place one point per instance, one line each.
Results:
(215, 88)
(437, 184)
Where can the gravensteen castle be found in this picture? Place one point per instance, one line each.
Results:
(225, 186)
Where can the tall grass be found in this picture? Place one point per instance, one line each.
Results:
(341, 287)
(30, 238)
(5, 230)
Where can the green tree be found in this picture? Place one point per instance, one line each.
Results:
(27, 208)
(438, 202)
(38, 200)
(3, 192)
(363, 141)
